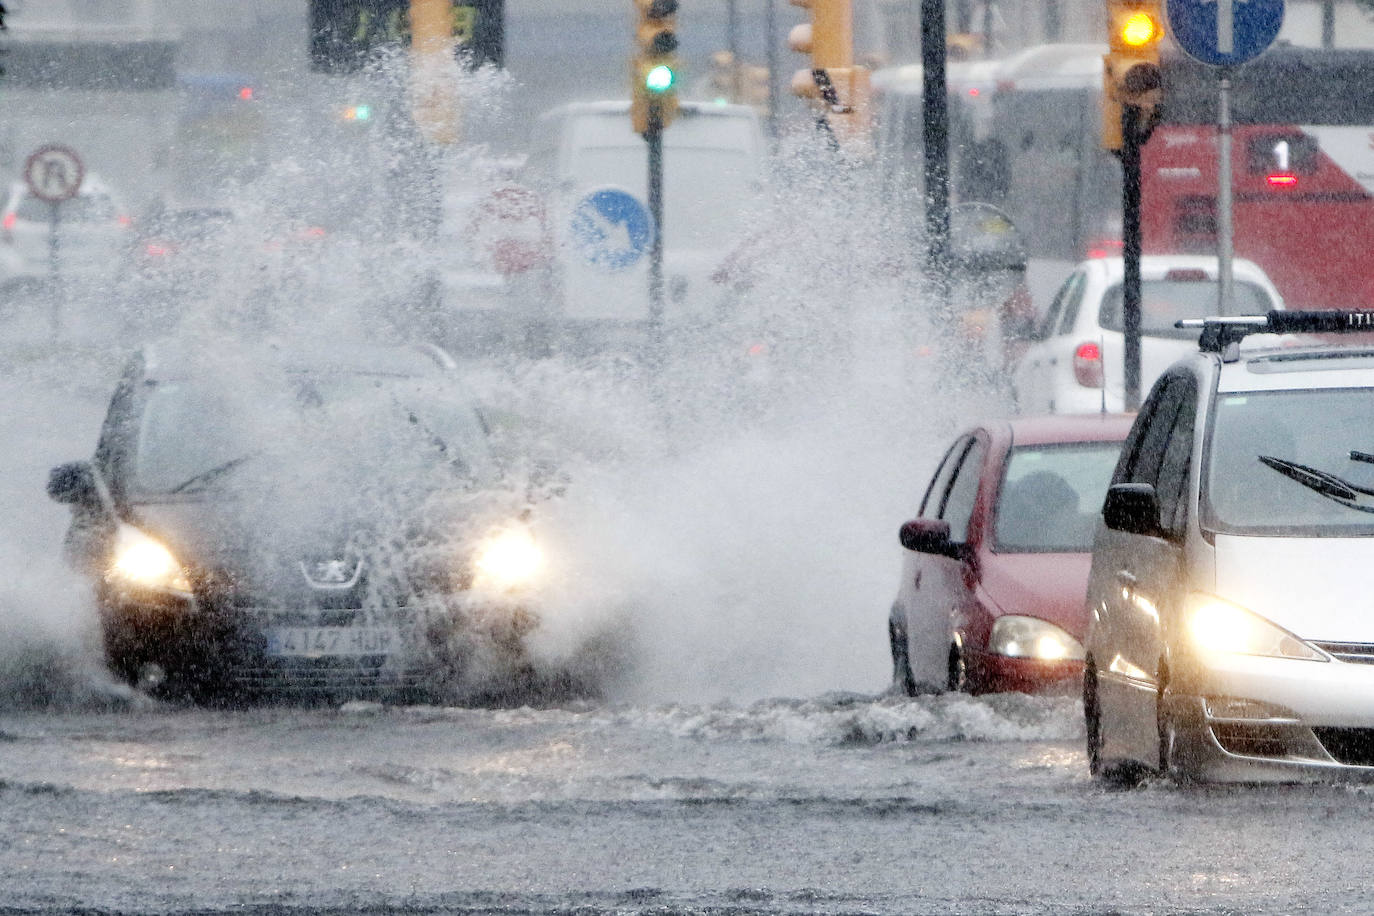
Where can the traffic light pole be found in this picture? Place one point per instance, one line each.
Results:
(654, 137)
(936, 138)
(1130, 251)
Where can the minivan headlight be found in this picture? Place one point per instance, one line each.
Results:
(144, 561)
(1216, 625)
(1029, 637)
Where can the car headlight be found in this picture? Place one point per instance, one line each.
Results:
(143, 561)
(1029, 637)
(508, 559)
(1220, 626)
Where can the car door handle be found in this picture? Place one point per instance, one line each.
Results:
(1126, 578)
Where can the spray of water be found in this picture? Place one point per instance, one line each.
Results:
(720, 523)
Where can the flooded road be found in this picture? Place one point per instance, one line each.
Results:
(840, 804)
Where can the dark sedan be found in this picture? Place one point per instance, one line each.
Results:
(320, 518)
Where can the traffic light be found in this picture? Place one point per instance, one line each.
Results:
(1130, 69)
(654, 69)
(833, 80)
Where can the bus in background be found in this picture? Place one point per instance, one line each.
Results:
(1023, 136)
(898, 99)
(1303, 166)
(1060, 188)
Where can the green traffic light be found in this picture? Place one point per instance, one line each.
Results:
(660, 78)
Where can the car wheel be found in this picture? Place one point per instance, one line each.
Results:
(957, 680)
(1168, 731)
(1113, 774)
(1092, 719)
(902, 679)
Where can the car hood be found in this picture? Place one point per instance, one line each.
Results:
(1315, 588)
(1051, 586)
(259, 550)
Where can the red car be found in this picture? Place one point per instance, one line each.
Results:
(995, 574)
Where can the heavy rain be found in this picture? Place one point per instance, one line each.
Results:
(378, 539)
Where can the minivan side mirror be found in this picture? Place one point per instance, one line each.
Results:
(73, 483)
(928, 535)
(1132, 508)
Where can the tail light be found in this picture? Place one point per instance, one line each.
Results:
(1105, 248)
(1087, 365)
(8, 223)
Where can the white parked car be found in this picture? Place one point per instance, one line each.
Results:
(92, 230)
(1076, 362)
(1231, 633)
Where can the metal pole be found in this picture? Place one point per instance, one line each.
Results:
(936, 138)
(1130, 252)
(654, 137)
(1225, 230)
(1328, 24)
(770, 28)
(732, 45)
(54, 268)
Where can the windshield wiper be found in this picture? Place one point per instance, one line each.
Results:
(455, 460)
(207, 476)
(1337, 489)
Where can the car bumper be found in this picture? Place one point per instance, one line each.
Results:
(989, 673)
(1073, 398)
(216, 646)
(1300, 721)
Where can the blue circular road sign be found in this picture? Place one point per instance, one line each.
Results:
(1224, 33)
(611, 228)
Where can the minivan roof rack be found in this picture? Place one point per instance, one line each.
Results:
(1219, 332)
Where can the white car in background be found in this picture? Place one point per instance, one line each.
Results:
(1075, 363)
(92, 230)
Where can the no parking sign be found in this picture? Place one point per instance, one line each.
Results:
(54, 173)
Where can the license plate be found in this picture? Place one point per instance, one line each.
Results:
(322, 642)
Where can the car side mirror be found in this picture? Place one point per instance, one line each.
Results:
(929, 535)
(1132, 508)
(73, 483)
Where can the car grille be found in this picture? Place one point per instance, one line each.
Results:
(1361, 653)
(1350, 746)
(1247, 739)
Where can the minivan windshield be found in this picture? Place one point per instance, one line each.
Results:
(1051, 497)
(1291, 463)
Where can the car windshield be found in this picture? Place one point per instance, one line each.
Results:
(1163, 302)
(1051, 496)
(193, 436)
(1291, 463)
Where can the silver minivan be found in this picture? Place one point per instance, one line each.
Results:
(1231, 632)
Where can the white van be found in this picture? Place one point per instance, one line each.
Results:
(593, 168)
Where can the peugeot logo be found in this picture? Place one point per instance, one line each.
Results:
(333, 573)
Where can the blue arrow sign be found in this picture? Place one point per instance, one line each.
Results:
(611, 228)
(1224, 33)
